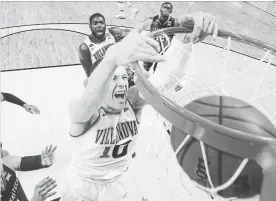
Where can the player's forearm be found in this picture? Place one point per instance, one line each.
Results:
(85, 58)
(86, 67)
(97, 84)
(12, 162)
(30, 163)
(26, 163)
(13, 99)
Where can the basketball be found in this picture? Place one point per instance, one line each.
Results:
(234, 114)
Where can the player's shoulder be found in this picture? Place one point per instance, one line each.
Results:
(118, 33)
(134, 97)
(83, 47)
(149, 19)
(115, 31)
(172, 17)
(133, 91)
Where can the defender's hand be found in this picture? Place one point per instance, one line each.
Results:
(47, 156)
(31, 109)
(43, 189)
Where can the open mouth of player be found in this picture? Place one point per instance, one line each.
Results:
(120, 95)
(100, 32)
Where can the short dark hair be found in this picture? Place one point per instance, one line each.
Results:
(95, 15)
(167, 3)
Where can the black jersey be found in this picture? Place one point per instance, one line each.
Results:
(13, 190)
(156, 24)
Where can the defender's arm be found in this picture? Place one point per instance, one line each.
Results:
(27, 163)
(12, 99)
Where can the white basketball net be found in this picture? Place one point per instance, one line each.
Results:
(193, 71)
(203, 70)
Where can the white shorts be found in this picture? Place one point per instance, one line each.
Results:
(80, 189)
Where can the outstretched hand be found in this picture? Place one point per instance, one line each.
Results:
(47, 156)
(204, 24)
(135, 47)
(44, 189)
(31, 109)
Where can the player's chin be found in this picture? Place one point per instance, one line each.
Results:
(120, 102)
(99, 34)
(165, 14)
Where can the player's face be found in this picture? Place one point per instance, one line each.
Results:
(98, 27)
(118, 89)
(166, 10)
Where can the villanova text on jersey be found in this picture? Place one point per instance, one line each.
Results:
(107, 136)
(101, 52)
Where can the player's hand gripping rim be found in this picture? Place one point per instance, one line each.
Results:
(135, 47)
(204, 24)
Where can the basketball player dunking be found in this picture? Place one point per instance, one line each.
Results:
(94, 47)
(104, 121)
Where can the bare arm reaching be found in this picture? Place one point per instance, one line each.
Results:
(134, 47)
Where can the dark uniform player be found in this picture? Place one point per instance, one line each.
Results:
(11, 189)
(96, 44)
(164, 20)
(10, 186)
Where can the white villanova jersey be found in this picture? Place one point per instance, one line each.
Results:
(98, 50)
(104, 151)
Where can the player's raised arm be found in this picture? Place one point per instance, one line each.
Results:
(134, 47)
(85, 58)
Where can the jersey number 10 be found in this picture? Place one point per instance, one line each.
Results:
(117, 150)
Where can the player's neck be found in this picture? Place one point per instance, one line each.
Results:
(111, 110)
(163, 19)
(96, 39)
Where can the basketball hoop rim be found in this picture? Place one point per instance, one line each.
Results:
(220, 137)
(222, 34)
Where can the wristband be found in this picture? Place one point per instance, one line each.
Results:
(29, 163)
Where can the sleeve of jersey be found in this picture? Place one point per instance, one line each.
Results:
(13, 99)
(134, 98)
(85, 58)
